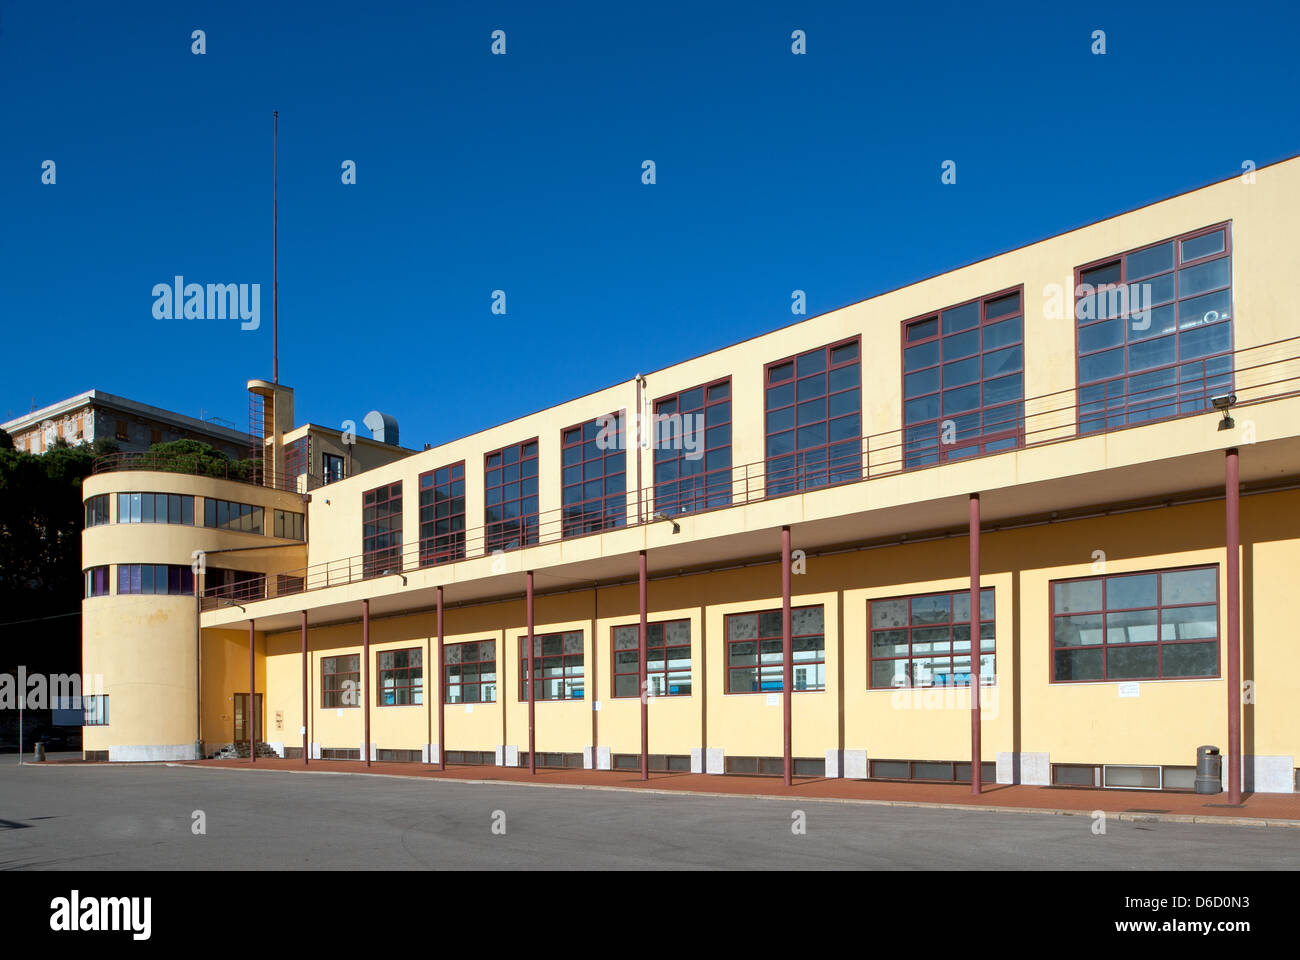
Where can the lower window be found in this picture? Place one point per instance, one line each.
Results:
(399, 756)
(96, 708)
(1124, 776)
(401, 678)
(559, 664)
(755, 650)
(340, 753)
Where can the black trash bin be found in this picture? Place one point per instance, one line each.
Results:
(1209, 770)
(38, 752)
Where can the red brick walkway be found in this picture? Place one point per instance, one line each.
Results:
(1259, 809)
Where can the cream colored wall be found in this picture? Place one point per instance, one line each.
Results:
(1023, 711)
(143, 646)
(1265, 216)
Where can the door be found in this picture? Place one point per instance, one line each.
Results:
(241, 717)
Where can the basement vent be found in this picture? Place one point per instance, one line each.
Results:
(399, 756)
(553, 760)
(659, 762)
(940, 771)
(775, 766)
(1124, 776)
(95, 756)
(485, 758)
(340, 753)
(293, 753)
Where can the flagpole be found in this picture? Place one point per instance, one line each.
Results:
(275, 249)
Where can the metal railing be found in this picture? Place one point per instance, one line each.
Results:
(240, 471)
(1267, 372)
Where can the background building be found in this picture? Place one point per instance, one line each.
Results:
(1091, 440)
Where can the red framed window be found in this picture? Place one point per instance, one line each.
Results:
(381, 531)
(297, 457)
(401, 678)
(1155, 330)
(668, 659)
(963, 380)
(814, 419)
(1161, 624)
(510, 495)
(924, 640)
(595, 475)
(559, 661)
(470, 672)
(442, 514)
(692, 444)
(234, 584)
(340, 681)
(755, 650)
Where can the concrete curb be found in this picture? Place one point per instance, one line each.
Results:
(915, 804)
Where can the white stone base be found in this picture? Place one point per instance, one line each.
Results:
(151, 753)
(587, 761)
(848, 764)
(1031, 769)
(1260, 774)
(507, 755)
(429, 753)
(604, 759)
(315, 751)
(713, 761)
(277, 747)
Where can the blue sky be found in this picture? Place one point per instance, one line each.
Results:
(522, 173)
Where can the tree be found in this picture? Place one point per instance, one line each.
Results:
(197, 457)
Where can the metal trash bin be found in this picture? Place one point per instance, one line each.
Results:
(38, 752)
(1209, 770)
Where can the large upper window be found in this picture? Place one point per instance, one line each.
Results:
(924, 641)
(227, 515)
(470, 672)
(668, 659)
(814, 419)
(340, 680)
(692, 444)
(155, 578)
(963, 380)
(297, 457)
(155, 508)
(510, 495)
(558, 658)
(595, 475)
(331, 465)
(1155, 330)
(381, 531)
(755, 650)
(1136, 626)
(97, 510)
(234, 584)
(401, 678)
(442, 514)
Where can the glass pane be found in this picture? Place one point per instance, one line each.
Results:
(1189, 623)
(889, 613)
(1078, 665)
(1123, 593)
(1131, 663)
(1190, 659)
(1190, 586)
(1077, 595)
(1203, 246)
(1151, 260)
(1077, 631)
(1131, 626)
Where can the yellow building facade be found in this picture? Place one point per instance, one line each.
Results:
(801, 511)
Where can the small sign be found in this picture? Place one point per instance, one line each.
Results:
(1130, 689)
(339, 712)
(596, 706)
(773, 699)
(302, 731)
(469, 708)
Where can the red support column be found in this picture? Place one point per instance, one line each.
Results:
(641, 672)
(442, 739)
(1233, 499)
(532, 676)
(251, 716)
(976, 753)
(305, 747)
(365, 674)
(787, 656)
